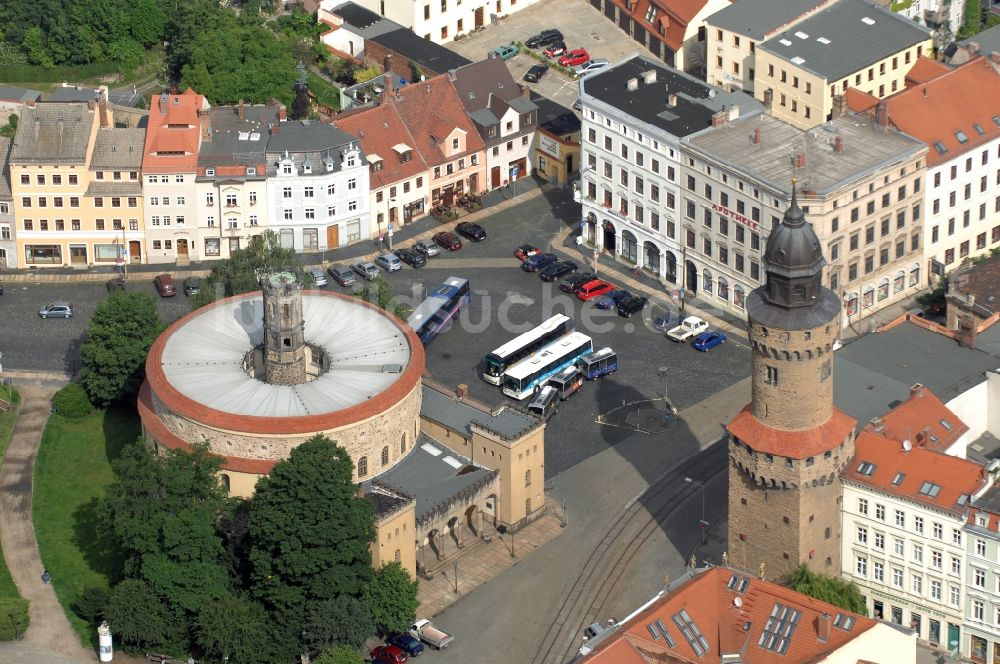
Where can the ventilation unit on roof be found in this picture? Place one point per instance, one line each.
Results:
(801, 35)
(784, 42)
(868, 21)
(823, 40)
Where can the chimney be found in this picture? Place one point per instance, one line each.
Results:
(105, 114)
(823, 627)
(282, 115)
(30, 103)
(241, 113)
(649, 76)
(972, 47)
(839, 105)
(799, 161)
(206, 125)
(274, 129)
(882, 114)
(756, 136)
(163, 103)
(92, 105)
(462, 391)
(672, 101)
(632, 84)
(838, 145)
(718, 118)
(916, 390)
(875, 424)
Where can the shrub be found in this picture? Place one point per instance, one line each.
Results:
(90, 604)
(72, 402)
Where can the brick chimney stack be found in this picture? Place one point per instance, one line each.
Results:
(823, 627)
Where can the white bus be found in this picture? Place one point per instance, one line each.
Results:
(532, 341)
(521, 379)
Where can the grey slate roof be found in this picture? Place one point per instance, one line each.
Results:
(53, 132)
(119, 188)
(11, 93)
(696, 100)
(757, 18)
(238, 141)
(309, 141)
(5, 144)
(426, 475)
(990, 500)
(866, 149)
(875, 372)
(431, 57)
(857, 33)
(555, 117)
(988, 40)
(459, 416)
(74, 93)
(118, 149)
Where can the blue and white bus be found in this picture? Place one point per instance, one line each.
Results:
(532, 341)
(439, 308)
(521, 379)
(599, 363)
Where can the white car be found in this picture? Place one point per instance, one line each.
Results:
(366, 269)
(319, 279)
(389, 262)
(427, 248)
(590, 66)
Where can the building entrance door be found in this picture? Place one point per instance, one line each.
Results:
(182, 247)
(692, 278)
(77, 254)
(332, 236)
(479, 18)
(953, 636)
(934, 631)
(135, 251)
(494, 177)
(609, 237)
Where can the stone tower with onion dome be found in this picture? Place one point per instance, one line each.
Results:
(788, 445)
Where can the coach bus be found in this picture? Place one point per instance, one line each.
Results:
(532, 341)
(439, 308)
(521, 379)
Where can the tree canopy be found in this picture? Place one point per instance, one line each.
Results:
(391, 598)
(241, 272)
(119, 335)
(838, 592)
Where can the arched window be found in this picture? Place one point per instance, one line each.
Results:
(651, 257)
(362, 466)
(899, 282)
(527, 478)
(706, 280)
(852, 304)
(385, 456)
(723, 289)
(738, 296)
(629, 248)
(671, 267)
(883, 289)
(402, 444)
(915, 274)
(868, 297)
(224, 478)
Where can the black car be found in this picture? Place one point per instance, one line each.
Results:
(538, 262)
(557, 270)
(572, 283)
(192, 286)
(412, 257)
(116, 284)
(631, 305)
(544, 38)
(408, 643)
(535, 74)
(474, 232)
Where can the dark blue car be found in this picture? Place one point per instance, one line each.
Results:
(538, 262)
(611, 300)
(707, 340)
(405, 642)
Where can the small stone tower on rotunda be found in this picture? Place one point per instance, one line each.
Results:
(788, 445)
(284, 349)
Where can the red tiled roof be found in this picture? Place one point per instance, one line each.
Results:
(432, 110)
(730, 627)
(673, 15)
(793, 444)
(378, 129)
(904, 473)
(860, 101)
(923, 70)
(921, 419)
(184, 137)
(956, 101)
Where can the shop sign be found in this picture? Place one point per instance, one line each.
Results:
(738, 218)
(549, 145)
(911, 605)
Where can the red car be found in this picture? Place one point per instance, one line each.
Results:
(447, 240)
(574, 58)
(555, 50)
(388, 655)
(593, 289)
(526, 251)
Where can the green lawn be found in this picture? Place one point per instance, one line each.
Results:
(13, 609)
(326, 93)
(72, 471)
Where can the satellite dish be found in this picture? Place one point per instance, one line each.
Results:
(907, 446)
(737, 602)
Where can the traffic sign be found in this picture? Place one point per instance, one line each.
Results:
(513, 173)
(390, 228)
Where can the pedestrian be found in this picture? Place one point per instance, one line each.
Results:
(45, 576)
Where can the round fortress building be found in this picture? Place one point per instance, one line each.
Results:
(257, 374)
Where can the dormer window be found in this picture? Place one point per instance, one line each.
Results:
(454, 143)
(251, 170)
(307, 168)
(286, 169)
(351, 161)
(404, 151)
(209, 172)
(375, 161)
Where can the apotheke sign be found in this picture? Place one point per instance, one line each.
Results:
(738, 218)
(620, 217)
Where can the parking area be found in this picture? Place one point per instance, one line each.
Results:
(581, 25)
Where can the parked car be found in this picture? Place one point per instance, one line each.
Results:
(57, 309)
(116, 284)
(574, 57)
(610, 300)
(631, 305)
(448, 240)
(707, 340)
(535, 73)
(544, 38)
(408, 643)
(538, 262)
(592, 289)
(366, 269)
(689, 327)
(319, 279)
(342, 275)
(165, 285)
(555, 50)
(505, 52)
(388, 655)
(661, 323)
(590, 66)
(558, 270)
(474, 232)
(389, 262)
(412, 257)
(428, 633)
(428, 249)
(572, 283)
(525, 251)
(192, 285)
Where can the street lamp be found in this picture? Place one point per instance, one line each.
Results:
(701, 524)
(669, 408)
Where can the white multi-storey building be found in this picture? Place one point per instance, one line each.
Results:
(317, 186)
(634, 114)
(982, 579)
(8, 247)
(904, 510)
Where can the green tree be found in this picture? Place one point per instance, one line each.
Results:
(342, 620)
(34, 45)
(119, 335)
(391, 598)
(91, 603)
(380, 294)
(71, 402)
(971, 19)
(241, 272)
(10, 128)
(309, 533)
(844, 594)
(232, 629)
(163, 512)
(147, 20)
(300, 105)
(366, 73)
(339, 655)
(139, 617)
(126, 52)
(933, 301)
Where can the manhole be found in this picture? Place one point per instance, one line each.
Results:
(596, 37)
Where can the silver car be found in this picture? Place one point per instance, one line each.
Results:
(427, 248)
(590, 66)
(57, 309)
(319, 279)
(389, 262)
(366, 269)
